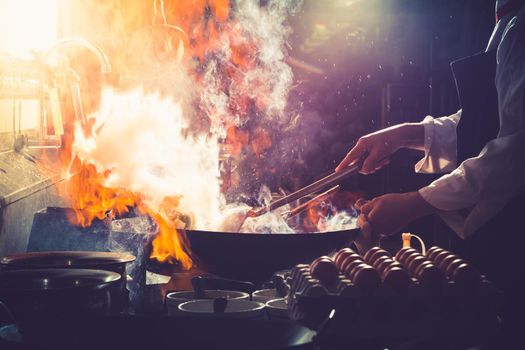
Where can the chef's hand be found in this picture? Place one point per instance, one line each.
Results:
(389, 213)
(377, 147)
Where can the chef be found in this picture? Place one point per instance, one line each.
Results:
(481, 148)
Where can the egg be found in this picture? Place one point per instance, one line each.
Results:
(390, 266)
(376, 255)
(339, 259)
(348, 269)
(366, 277)
(397, 279)
(419, 268)
(466, 276)
(440, 256)
(411, 256)
(403, 252)
(446, 261)
(325, 271)
(451, 268)
(382, 265)
(432, 277)
(414, 263)
(430, 253)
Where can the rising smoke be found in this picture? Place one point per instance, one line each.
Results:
(148, 140)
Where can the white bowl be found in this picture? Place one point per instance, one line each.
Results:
(174, 299)
(264, 295)
(234, 308)
(277, 308)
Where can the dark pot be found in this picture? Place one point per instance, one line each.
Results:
(48, 294)
(109, 261)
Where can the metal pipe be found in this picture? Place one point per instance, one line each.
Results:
(105, 66)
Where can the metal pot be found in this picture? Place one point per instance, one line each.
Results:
(46, 294)
(109, 261)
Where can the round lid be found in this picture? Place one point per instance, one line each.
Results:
(234, 308)
(187, 295)
(54, 280)
(65, 259)
(277, 307)
(266, 293)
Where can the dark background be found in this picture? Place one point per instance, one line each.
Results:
(384, 62)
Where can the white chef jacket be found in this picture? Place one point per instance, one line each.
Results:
(471, 194)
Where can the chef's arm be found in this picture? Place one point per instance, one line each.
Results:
(484, 184)
(378, 146)
(440, 144)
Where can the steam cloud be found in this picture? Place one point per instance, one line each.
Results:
(147, 140)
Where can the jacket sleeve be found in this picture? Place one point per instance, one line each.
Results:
(484, 184)
(440, 144)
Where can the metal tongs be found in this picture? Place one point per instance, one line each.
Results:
(329, 181)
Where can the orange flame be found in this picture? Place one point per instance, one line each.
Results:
(208, 25)
(171, 243)
(91, 200)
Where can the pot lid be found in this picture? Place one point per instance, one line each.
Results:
(66, 259)
(17, 281)
(277, 307)
(188, 295)
(234, 308)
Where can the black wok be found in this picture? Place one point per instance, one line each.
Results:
(256, 256)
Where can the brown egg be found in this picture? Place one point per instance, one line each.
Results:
(377, 254)
(390, 266)
(348, 259)
(318, 260)
(453, 266)
(430, 253)
(383, 264)
(414, 263)
(324, 257)
(348, 271)
(325, 271)
(432, 277)
(439, 257)
(403, 252)
(417, 271)
(466, 276)
(370, 252)
(380, 260)
(446, 261)
(339, 254)
(410, 257)
(397, 278)
(366, 277)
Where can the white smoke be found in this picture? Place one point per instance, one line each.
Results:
(268, 81)
(142, 139)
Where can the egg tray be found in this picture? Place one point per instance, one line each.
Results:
(385, 312)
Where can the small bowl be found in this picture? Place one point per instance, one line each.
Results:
(234, 309)
(277, 309)
(265, 295)
(174, 299)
